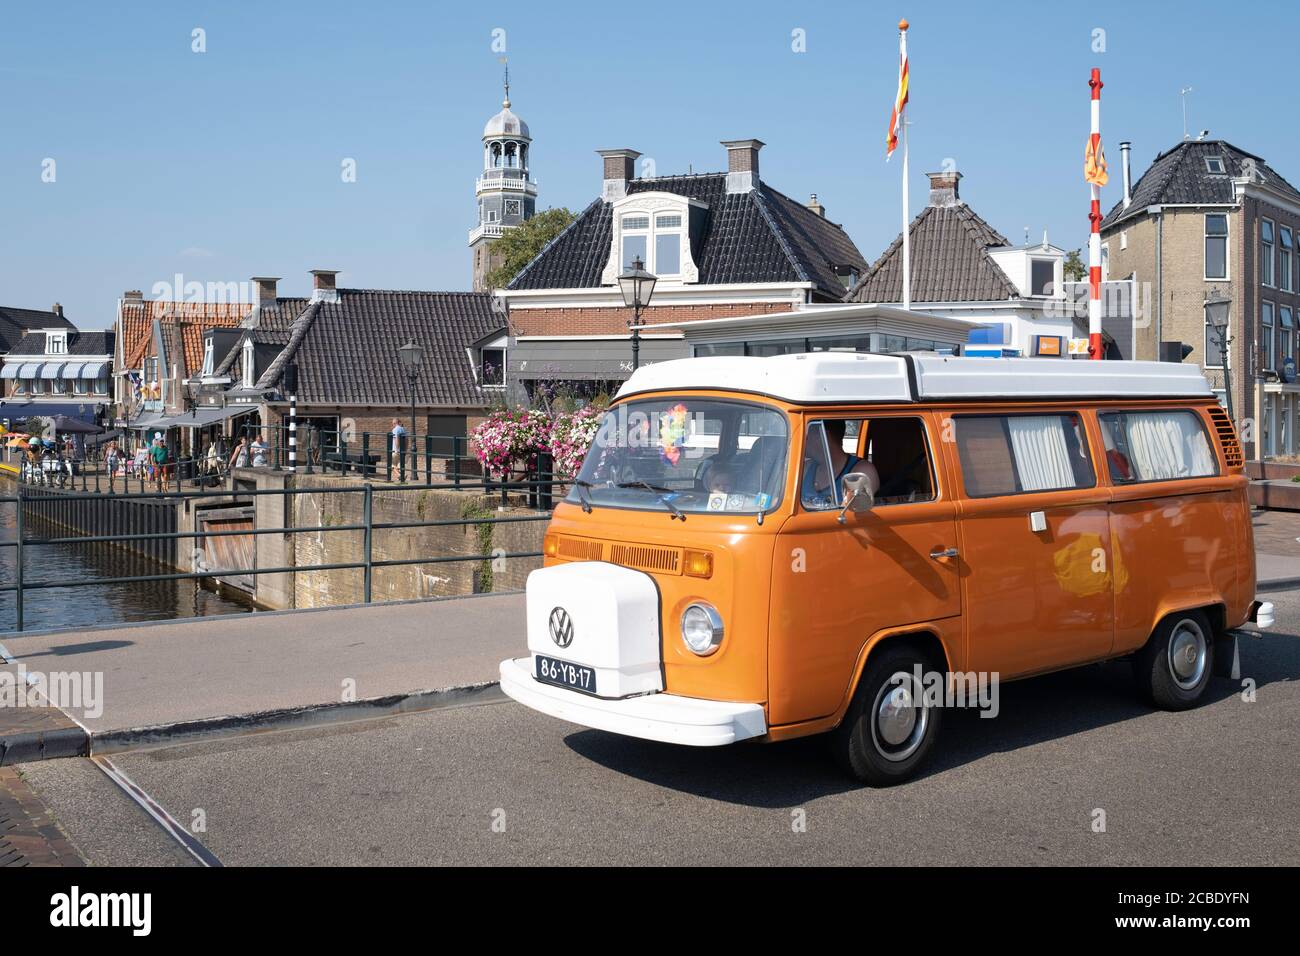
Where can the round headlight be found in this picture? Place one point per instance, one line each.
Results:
(701, 629)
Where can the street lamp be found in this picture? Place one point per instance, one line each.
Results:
(412, 357)
(637, 286)
(1217, 306)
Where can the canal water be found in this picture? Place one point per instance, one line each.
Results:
(95, 606)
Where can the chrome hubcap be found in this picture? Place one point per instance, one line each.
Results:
(899, 717)
(1187, 653)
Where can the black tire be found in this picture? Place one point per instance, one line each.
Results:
(1174, 669)
(858, 745)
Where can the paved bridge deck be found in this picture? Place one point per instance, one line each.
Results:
(198, 669)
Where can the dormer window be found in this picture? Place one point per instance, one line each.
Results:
(1042, 277)
(56, 343)
(248, 362)
(655, 228)
(1214, 164)
(207, 356)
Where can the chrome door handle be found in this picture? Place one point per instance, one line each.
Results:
(946, 553)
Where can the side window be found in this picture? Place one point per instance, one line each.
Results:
(894, 452)
(1016, 454)
(1156, 446)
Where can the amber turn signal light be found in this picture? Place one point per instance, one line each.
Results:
(698, 564)
(551, 545)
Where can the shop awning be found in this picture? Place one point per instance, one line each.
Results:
(93, 369)
(10, 371)
(50, 370)
(204, 415)
(72, 370)
(29, 370)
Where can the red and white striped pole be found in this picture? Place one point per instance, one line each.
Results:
(1094, 240)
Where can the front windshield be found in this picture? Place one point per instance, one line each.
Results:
(686, 455)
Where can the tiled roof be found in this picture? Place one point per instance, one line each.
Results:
(756, 236)
(269, 325)
(136, 326)
(15, 322)
(346, 351)
(1179, 176)
(949, 259)
(79, 343)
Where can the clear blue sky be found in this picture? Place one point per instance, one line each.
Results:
(226, 164)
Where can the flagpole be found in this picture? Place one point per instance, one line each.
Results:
(1095, 347)
(907, 219)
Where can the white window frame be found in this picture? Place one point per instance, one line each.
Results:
(1267, 257)
(1266, 321)
(207, 356)
(1227, 248)
(56, 343)
(652, 206)
(1223, 167)
(1288, 332)
(80, 386)
(248, 361)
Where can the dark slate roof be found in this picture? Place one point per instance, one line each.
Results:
(1179, 176)
(268, 325)
(949, 258)
(79, 343)
(346, 351)
(15, 322)
(756, 236)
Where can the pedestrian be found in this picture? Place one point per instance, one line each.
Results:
(258, 450)
(239, 456)
(112, 454)
(395, 454)
(159, 454)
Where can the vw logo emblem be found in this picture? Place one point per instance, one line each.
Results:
(561, 627)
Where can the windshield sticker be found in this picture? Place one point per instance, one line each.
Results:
(672, 433)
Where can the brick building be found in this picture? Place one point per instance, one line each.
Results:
(1208, 221)
(345, 344)
(721, 244)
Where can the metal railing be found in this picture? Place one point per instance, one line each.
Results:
(538, 491)
(380, 456)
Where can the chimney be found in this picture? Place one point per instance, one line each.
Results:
(619, 168)
(57, 310)
(264, 290)
(943, 189)
(1124, 149)
(815, 206)
(742, 164)
(323, 288)
(133, 295)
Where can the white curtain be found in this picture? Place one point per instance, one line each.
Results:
(1041, 452)
(1166, 445)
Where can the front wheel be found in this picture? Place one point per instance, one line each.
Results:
(1173, 669)
(890, 728)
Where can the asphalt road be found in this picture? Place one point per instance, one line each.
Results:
(498, 784)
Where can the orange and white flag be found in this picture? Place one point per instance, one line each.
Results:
(900, 101)
(1094, 162)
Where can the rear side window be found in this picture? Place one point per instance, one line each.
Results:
(1017, 454)
(1159, 445)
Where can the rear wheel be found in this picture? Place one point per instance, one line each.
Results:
(1173, 670)
(889, 729)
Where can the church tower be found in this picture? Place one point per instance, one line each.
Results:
(505, 194)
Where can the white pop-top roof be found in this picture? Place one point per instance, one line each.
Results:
(920, 377)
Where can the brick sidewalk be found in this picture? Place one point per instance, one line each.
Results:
(1276, 532)
(29, 834)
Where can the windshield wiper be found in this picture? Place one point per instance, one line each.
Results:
(583, 485)
(658, 491)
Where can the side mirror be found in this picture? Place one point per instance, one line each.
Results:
(858, 492)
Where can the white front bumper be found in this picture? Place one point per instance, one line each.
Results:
(665, 717)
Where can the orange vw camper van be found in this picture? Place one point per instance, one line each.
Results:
(766, 548)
